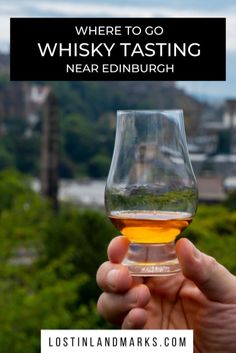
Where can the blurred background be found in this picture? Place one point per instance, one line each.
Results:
(56, 143)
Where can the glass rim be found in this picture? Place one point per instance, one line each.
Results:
(123, 111)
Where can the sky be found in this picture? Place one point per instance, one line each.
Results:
(136, 8)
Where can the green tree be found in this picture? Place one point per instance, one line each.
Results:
(48, 261)
(98, 166)
(78, 140)
(7, 159)
(24, 148)
(45, 267)
(213, 231)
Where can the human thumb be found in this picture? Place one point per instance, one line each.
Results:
(213, 279)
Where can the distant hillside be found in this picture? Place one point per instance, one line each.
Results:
(94, 98)
(87, 120)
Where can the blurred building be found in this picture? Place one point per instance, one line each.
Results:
(213, 155)
(211, 189)
(229, 118)
(4, 63)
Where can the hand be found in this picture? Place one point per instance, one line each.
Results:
(202, 297)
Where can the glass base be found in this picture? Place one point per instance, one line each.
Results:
(152, 259)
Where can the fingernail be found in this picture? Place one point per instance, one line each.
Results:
(129, 324)
(112, 278)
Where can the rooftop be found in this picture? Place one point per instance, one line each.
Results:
(211, 189)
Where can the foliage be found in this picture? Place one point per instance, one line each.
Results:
(230, 203)
(99, 165)
(87, 122)
(7, 159)
(86, 147)
(12, 185)
(213, 231)
(86, 233)
(48, 264)
(20, 146)
(48, 261)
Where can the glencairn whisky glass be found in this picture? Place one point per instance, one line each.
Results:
(151, 193)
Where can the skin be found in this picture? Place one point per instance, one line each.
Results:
(202, 297)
